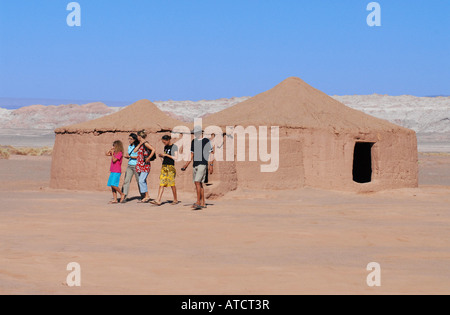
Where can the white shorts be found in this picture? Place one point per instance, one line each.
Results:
(200, 172)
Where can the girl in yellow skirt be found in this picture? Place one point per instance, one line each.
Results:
(168, 171)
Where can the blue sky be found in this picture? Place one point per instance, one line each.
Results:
(209, 49)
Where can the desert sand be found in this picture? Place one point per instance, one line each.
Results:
(248, 242)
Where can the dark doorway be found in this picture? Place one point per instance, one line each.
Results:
(362, 162)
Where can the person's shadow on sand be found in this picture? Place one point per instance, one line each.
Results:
(133, 199)
(199, 208)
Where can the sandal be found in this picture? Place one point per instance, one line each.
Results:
(175, 203)
(153, 202)
(144, 201)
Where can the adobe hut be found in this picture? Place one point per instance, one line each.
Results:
(79, 161)
(323, 143)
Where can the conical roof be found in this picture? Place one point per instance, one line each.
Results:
(141, 115)
(295, 104)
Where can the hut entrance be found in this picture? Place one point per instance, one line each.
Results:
(362, 162)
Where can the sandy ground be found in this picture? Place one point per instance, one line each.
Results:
(290, 242)
(27, 137)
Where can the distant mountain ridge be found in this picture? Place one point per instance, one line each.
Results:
(422, 114)
(16, 103)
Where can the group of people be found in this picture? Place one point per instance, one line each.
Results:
(140, 154)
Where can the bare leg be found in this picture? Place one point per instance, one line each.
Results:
(175, 197)
(198, 187)
(203, 202)
(122, 195)
(114, 193)
(116, 190)
(160, 194)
